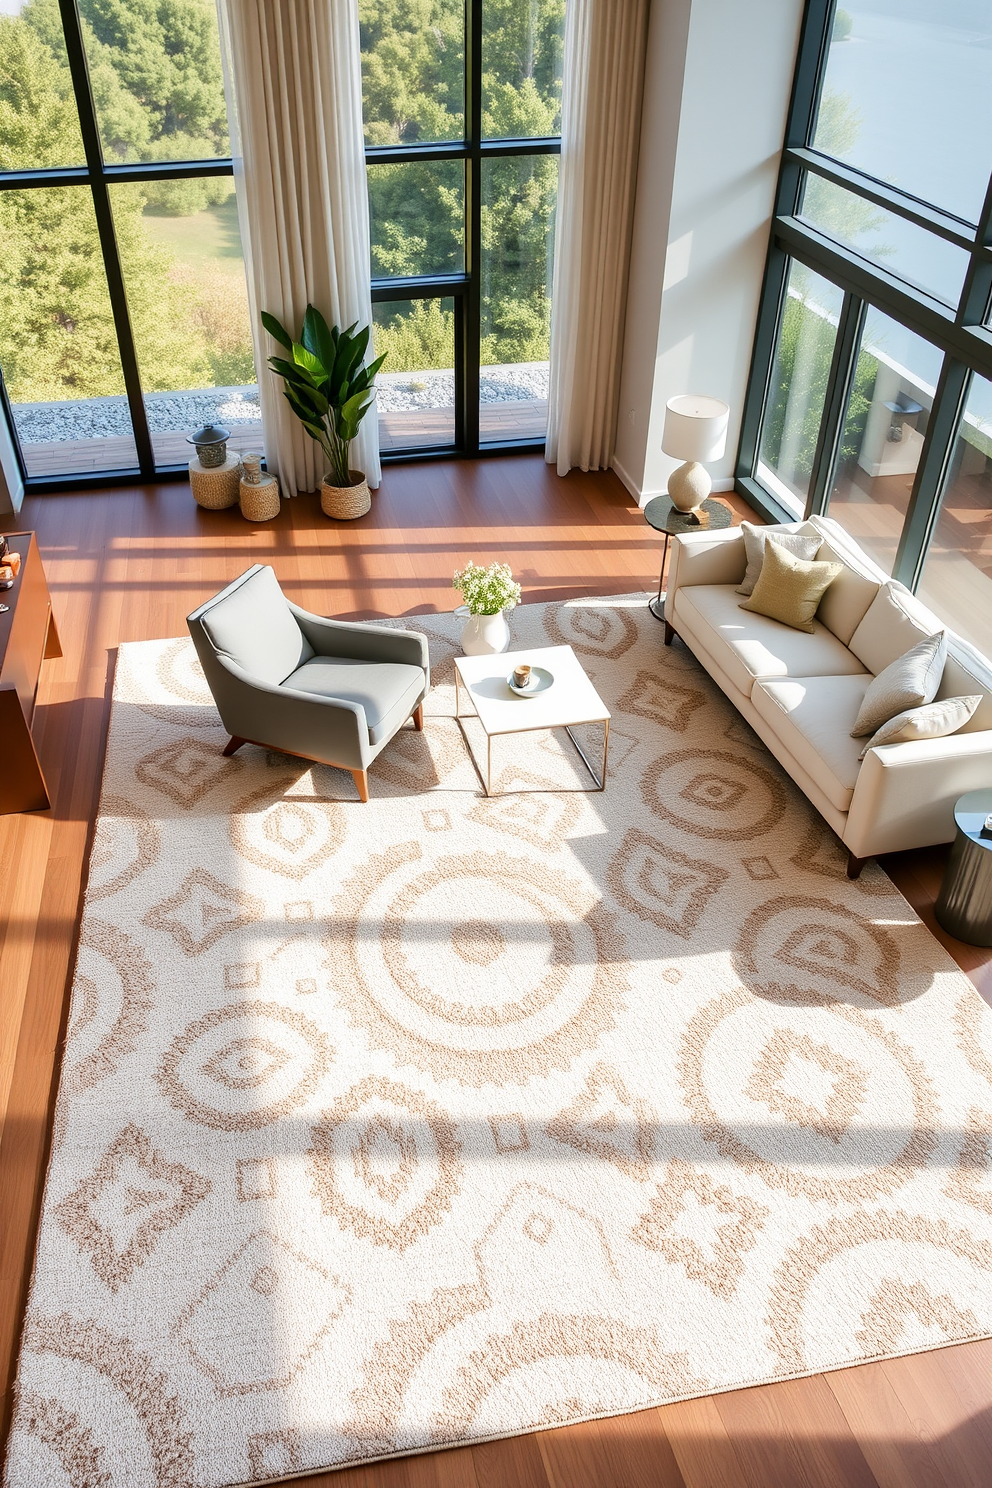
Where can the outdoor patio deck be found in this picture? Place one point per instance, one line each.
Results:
(524, 418)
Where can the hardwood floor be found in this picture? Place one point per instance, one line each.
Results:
(129, 565)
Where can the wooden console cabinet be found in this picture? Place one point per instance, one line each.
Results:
(27, 636)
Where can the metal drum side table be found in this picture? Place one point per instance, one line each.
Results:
(964, 905)
(660, 514)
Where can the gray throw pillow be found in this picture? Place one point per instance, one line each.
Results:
(804, 545)
(932, 721)
(908, 682)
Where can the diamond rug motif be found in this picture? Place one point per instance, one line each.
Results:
(384, 1128)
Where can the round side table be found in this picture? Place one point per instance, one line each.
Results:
(964, 905)
(664, 517)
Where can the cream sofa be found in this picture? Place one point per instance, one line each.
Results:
(801, 693)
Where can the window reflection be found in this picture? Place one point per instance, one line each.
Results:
(884, 426)
(957, 574)
(794, 407)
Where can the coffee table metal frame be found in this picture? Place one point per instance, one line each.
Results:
(564, 664)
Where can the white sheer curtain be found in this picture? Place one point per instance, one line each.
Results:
(601, 110)
(293, 69)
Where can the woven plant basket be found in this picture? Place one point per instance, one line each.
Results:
(346, 502)
(217, 487)
(260, 503)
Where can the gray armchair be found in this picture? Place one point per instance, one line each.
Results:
(322, 689)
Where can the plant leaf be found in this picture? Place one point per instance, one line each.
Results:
(276, 331)
(310, 363)
(292, 372)
(317, 338)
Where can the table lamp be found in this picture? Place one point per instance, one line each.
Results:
(695, 431)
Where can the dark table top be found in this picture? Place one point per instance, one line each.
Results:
(970, 812)
(664, 517)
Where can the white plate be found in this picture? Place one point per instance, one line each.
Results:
(541, 680)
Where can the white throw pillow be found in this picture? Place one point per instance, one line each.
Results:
(932, 721)
(802, 542)
(908, 682)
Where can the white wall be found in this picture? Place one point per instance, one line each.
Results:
(717, 85)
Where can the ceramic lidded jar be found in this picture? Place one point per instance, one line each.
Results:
(211, 444)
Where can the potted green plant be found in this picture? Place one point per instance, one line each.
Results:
(486, 594)
(329, 388)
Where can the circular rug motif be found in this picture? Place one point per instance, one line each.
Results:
(482, 966)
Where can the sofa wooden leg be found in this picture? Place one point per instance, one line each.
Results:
(418, 717)
(855, 865)
(669, 633)
(234, 744)
(361, 779)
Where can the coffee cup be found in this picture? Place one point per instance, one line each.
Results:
(521, 675)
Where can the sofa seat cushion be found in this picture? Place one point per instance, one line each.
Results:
(387, 690)
(747, 645)
(813, 717)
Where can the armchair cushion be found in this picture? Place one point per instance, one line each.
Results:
(388, 691)
(253, 626)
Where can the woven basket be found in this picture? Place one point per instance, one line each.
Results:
(260, 503)
(215, 488)
(346, 502)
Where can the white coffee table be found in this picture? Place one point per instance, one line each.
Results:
(571, 700)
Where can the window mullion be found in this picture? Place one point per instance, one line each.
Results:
(468, 380)
(931, 473)
(977, 293)
(842, 365)
(93, 151)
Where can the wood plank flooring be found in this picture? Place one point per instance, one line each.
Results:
(129, 565)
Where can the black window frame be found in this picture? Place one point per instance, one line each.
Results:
(960, 333)
(464, 288)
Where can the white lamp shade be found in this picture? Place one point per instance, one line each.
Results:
(695, 428)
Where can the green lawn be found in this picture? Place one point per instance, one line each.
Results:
(206, 237)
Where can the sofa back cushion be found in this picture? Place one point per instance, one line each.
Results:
(846, 602)
(967, 671)
(893, 623)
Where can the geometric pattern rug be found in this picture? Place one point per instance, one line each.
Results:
(389, 1127)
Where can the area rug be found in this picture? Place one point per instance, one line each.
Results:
(389, 1127)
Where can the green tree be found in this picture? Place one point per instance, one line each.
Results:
(57, 336)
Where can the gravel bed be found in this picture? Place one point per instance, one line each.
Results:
(398, 392)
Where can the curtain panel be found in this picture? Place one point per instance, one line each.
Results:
(603, 81)
(293, 70)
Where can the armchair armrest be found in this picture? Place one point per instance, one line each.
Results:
(906, 792)
(362, 642)
(705, 558)
(332, 730)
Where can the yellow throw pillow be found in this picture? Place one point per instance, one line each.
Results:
(788, 588)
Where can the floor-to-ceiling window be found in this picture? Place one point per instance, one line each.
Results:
(123, 302)
(462, 123)
(869, 392)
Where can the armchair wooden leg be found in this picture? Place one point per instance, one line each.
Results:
(669, 634)
(234, 744)
(855, 865)
(361, 779)
(418, 716)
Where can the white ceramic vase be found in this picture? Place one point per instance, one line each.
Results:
(484, 635)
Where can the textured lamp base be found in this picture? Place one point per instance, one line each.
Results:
(689, 486)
